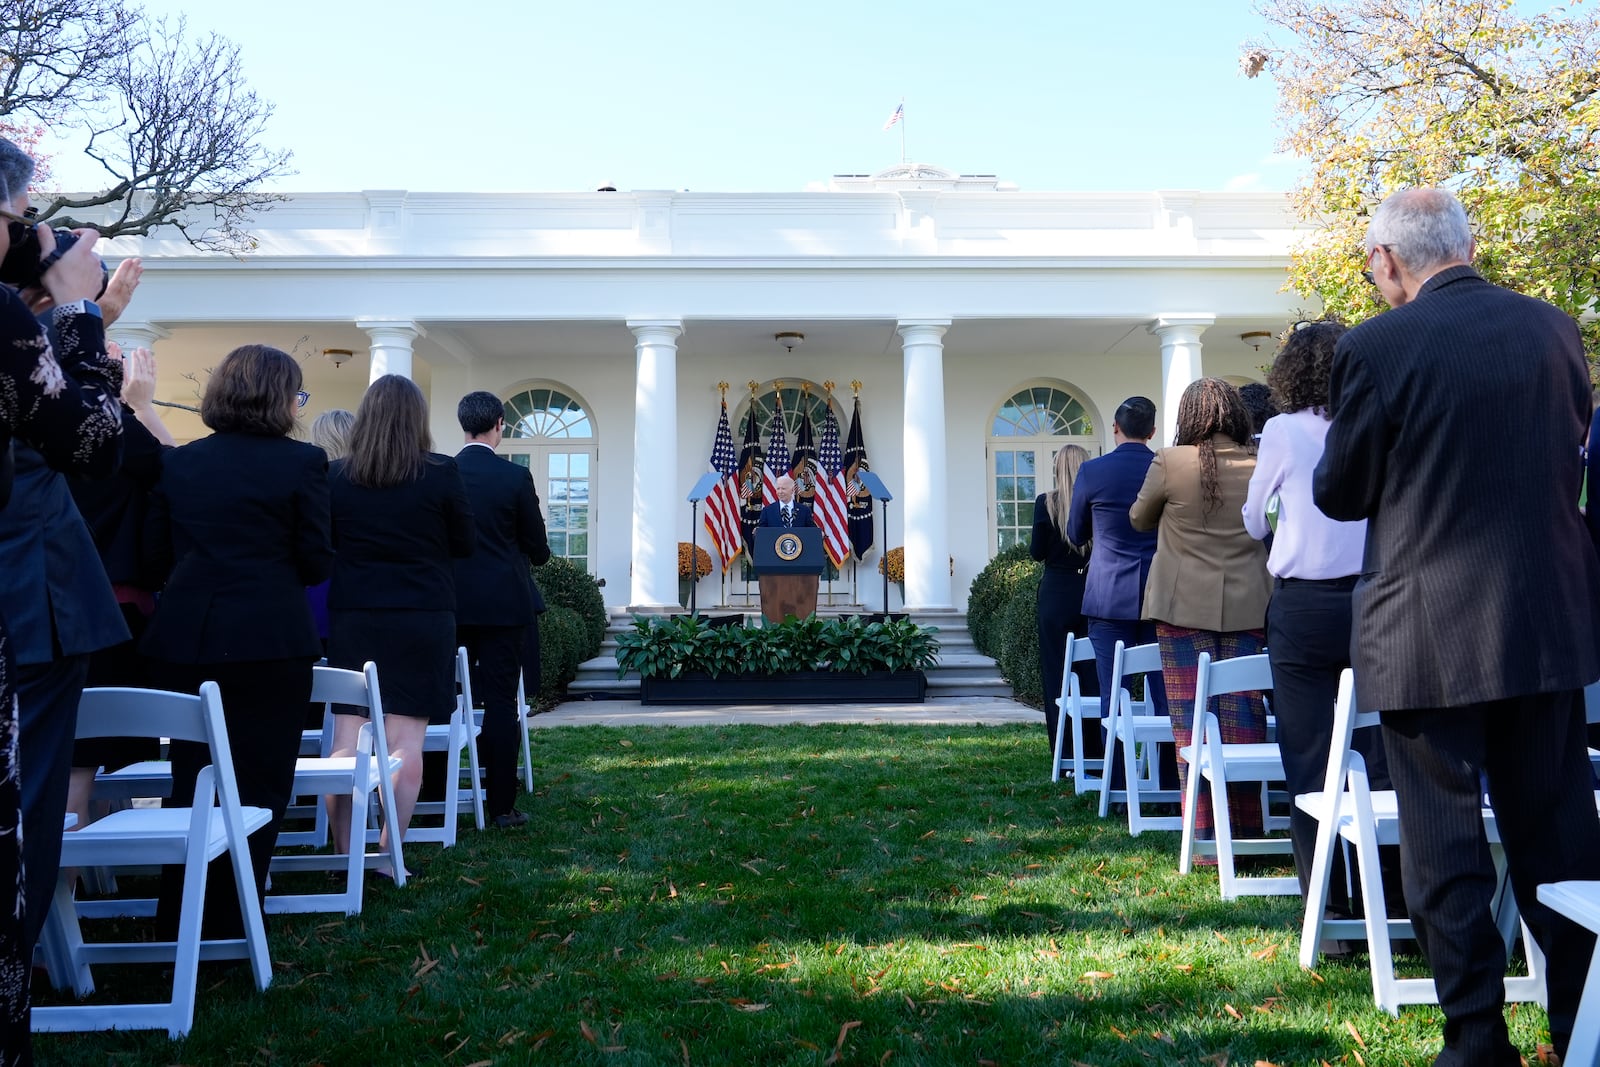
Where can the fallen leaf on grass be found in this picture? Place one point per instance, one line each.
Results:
(1350, 1026)
(1267, 953)
(1090, 976)
(1233, 1011)
(588, 1034)
(838, 1046)
(747, 1006)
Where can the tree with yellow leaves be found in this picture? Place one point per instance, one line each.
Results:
(1498, 105)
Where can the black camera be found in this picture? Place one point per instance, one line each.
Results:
(24, 265)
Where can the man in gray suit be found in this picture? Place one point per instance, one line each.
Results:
(1457, 421)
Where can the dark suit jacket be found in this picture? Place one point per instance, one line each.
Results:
(1120, 564)
(115, 508)
(395, 544)
(1456, 424)
(772, 514)
(239, 525)
(1591, 515)
(51, 582)
(494, 586)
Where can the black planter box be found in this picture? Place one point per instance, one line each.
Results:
(800, 687)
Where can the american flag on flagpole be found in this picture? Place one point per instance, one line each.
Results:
(828, 509)
(777, 464)
(899, 113)
(722, 506)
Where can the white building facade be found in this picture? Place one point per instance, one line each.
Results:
(987, 327)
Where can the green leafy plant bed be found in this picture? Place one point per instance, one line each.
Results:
(686, 660)
(796, 687)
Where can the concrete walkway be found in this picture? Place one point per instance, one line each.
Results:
(955, 711)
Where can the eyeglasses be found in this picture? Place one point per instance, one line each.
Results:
(301, 398)
(1367, 274)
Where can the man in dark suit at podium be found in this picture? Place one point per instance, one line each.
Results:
(786, 511)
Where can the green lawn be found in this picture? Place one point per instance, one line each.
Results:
(794, 895)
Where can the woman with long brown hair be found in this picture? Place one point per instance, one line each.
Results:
(1060, 598)
(400, 514)
(1208, 584)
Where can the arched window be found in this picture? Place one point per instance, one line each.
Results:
(550, 432)
(1028, 428)
(797, 400)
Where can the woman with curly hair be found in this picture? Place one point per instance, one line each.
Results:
(1314, 562)
(1208, 584)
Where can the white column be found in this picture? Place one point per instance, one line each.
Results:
(1180, 363)
(391, 347)
(656, 517)
(924, 502)
(136, 334)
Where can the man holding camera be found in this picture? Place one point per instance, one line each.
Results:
(56, 610)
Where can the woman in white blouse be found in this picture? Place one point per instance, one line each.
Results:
(1315, 562)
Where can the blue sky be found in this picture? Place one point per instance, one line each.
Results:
(704, 94)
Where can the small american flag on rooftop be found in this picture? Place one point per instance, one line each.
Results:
(899, 113)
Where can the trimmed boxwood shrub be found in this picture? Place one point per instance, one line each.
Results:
(1019, 640)
(573, 628)
(568, 585)
(563, 636)
(991, 591)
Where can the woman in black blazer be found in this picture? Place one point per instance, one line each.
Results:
(400, 514)
(239, 525)
(1061, 595)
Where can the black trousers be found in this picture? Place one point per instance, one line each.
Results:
(47, 717)
(263, 704)
(495, 656)
(1058, 615)
(1308, 644)
(1532, 749)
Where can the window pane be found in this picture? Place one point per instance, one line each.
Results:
(580, 464)
(558, 465)
(1004, 462)
(578, 545)
(1025, 489)
(1025, 515)
(1025, 463)
(558, 518)
(578, 518)
(1006, 514)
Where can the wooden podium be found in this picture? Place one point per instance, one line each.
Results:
(788, 561)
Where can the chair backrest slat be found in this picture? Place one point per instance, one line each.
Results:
(125, 712)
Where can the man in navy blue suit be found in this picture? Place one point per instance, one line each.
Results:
(786, 511)
(1119, 564)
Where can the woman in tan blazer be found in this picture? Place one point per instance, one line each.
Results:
(1208, 584)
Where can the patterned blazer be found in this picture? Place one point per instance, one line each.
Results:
(1458, 421)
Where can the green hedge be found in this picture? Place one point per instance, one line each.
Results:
(991, 591)
(572, 630)
(1019, 640)
(562, 640)
(1002, 616)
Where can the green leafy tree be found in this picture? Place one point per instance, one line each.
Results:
(1482, 97)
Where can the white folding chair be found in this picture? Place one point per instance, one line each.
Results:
(460, 735)
(214, 826)
(1137, 730)
(1347, 809)
(1074, 708)
(1221, 763)
(371, 770)
(522, 721)
(1580, 902)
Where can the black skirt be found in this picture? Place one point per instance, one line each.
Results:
(415, 652)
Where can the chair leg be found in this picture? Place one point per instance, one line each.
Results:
(1191, 806)
(1321, 874)
(1221, 821)
(356, 861)
(1585, 1044)
(186, 959)
(476, 774)
(1130, 761)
